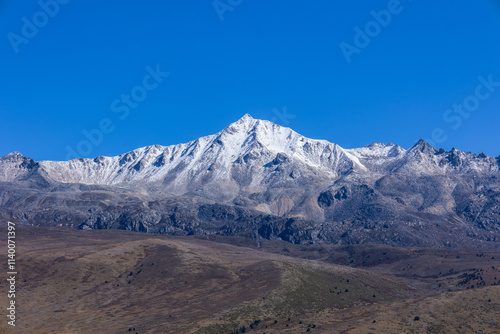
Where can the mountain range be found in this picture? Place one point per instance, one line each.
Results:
(259, 180)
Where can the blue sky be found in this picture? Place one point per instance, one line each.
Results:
(68, 77)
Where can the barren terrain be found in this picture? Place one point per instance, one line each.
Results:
(112, 281)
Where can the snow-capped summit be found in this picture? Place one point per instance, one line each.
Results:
(212, 157)
(249, 144)
(268, 169)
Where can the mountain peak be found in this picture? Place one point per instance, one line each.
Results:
(242, 125)
(247, 118)
(420, 142)
(11, 155)
(422, 146)
(247, 124)
(247, 115)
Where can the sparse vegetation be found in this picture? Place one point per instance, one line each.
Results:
(239, 290)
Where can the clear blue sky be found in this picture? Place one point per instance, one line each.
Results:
(74, 73)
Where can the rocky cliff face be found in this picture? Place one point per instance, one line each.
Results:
(258, 179)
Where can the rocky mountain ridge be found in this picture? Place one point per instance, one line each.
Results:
(258, 179)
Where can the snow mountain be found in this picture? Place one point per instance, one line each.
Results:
(282, 184)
